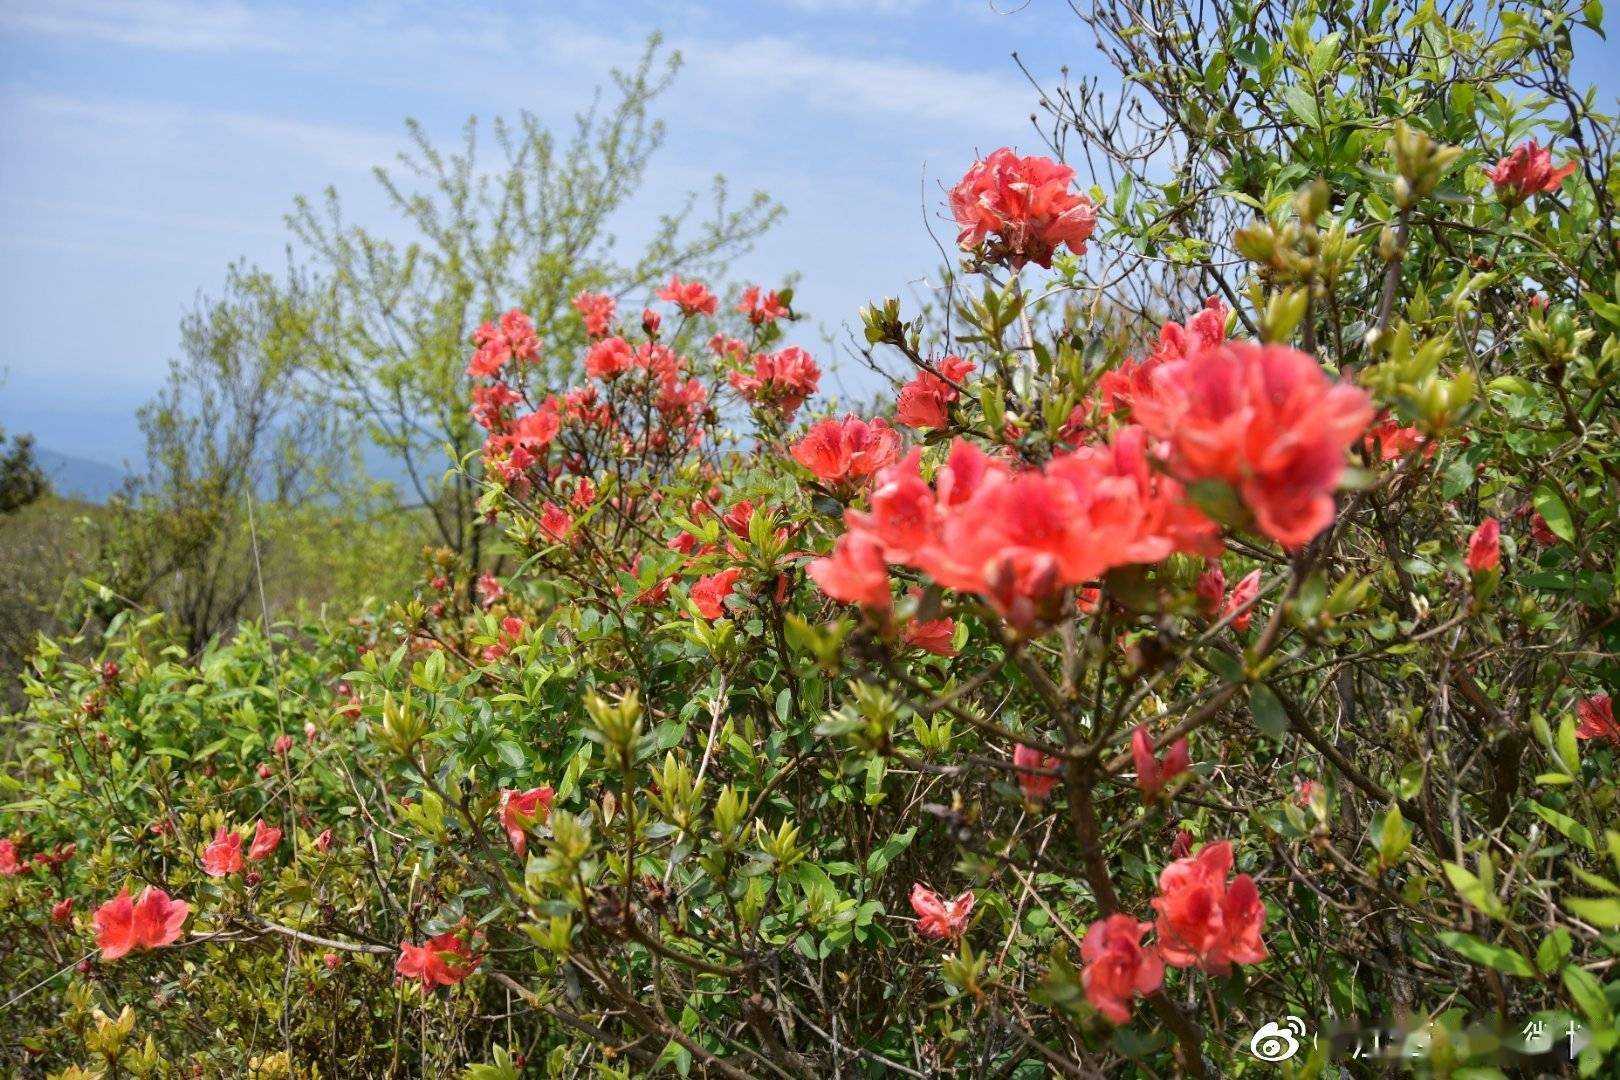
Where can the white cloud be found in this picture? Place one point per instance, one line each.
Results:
(344, 148)
(862, 86)
(173, 25)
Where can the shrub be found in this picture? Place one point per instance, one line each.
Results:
(1095, 714)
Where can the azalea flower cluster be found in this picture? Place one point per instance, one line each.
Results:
(1020, 210)
(1203, 920)
(1017, 537)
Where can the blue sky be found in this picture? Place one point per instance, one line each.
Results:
(144, 144)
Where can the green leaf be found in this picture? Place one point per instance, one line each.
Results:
(1471, 889)
(1303, 106)
(885, 853)
(1587, 993)
(1483, 952)
(1394, 838)
(1554, 951)
(1566, 825)
(1604, 912)
(510, 752)
(1267, 711)
(1549, 502)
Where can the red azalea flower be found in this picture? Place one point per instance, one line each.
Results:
(10, 865)
(938, 918)
(1152, 774)
(1541, 532)
(1020, 209)
(1204, 920)
(224, 855)
(780, 381)
(1265, 420)
(930, 635)
(1211, 590)
(440, 961)
(1389, 440)
(1485, 547)
(62, 910)
(1243, 594)
(323, 842)
(847, 450)
(1525, 171)
(266, 838)
(123, 926)
(521, 811)
(1596, 715)
(1036, 786)
(513, 339)
(609, 358)
(761, 307)
(598, 311)
(924, 402)
(1117, 966)
(1181, 846)
(710, 592)
(692, 297)
(490, 591)
(854, 573)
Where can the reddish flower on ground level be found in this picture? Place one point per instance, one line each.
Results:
(1265, 420)
(1020, 209)
(1243, 593)
(598, 311)
(1036, 786)
(1118, 967)
(490, 591)
(761, 307)
(62, 910)
(1181, 846)
(10, 865)
(1527, 170)
(847, 450)
(1485, 547)
(265, 772)
(440, 961)
(1211, 590)
(556, 522)
(1204, 920)
(283, 744)
(738, 517)
(1152, 774)
(692, 297)
(224, 855)
(930, 635)
(855, 572)
(266, 838)
(1389, 440)
(323, 842)
(938, 918)
(1541, 532)
(1596, 715)
(710, 592)
(521, 811)
(332, 960)
(123, 926)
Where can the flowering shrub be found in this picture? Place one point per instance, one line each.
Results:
(798, 742)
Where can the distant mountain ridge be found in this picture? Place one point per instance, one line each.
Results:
(77, 477)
